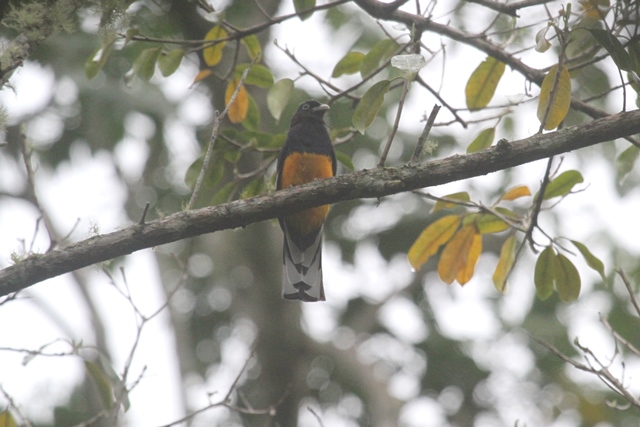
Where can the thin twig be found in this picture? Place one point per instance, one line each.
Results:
(14, 407)
(619, 338)
(537, 205)
(214, 136)
(470, 204)
(563, 38)
(451, 109)
(238, 34)
(315, 414)
(144, 214)
(602, 372)
(627, 284)
(347, 92)
(226, 401)
(92, 420)
(508, 9)
(425, 134)
(242, 371)
(33, 195)
(396, 123)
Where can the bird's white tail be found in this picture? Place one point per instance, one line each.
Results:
(302, 270)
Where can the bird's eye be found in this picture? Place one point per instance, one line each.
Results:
(305, 107)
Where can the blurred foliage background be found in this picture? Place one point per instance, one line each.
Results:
(390, 346)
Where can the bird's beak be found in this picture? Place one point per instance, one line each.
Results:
(321, 107)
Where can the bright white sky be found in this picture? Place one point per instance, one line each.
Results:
(85, 190)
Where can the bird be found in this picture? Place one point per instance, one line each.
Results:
(306, 155)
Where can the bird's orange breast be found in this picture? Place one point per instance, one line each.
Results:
(300, 168)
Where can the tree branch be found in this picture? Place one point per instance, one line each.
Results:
(425, 24)
(509, 8)
(363, 184)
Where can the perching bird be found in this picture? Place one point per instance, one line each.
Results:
(306, 155)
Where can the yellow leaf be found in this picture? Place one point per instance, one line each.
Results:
(202, 74)
(455, 255)
(430, 240)
(240, 107)
(505, 264)
(561, 98)
(516, 192)
(213, 54)
(466, 272)
(7, 420)
(483, 83)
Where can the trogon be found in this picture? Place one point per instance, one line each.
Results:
(306, 155)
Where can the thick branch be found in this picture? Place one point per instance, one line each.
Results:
(363, 184)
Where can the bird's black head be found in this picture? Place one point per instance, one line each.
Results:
(309, 110)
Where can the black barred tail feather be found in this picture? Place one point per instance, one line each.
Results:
(302, 270)
(306, 155)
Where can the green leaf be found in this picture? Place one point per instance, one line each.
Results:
(169, 62)
(379, 54)
(258, 75)
(563, 184)
(253, 188)
(634, 55)
(561, 101)
(483, 82)
(349, 64)
(462, 196)
(369, 105)
(471, 218)
(213, 54)
(544, 274)
(507, 213)
(278, 97)
(489, 223)
(252, 120)
(277, 140)
(302, 5)
(98, 58)
(254, 138)
(614, 47)
(252, 45)
(144, 65)
(345, 160)
(213, 175)
(626, 162)
(224, 194)
(102, 383)
(592, 260)
(118, 386)
(567, 279)
(130, 34)
(232, 155)
(580, 42)
(482, 141)
(542, 44)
